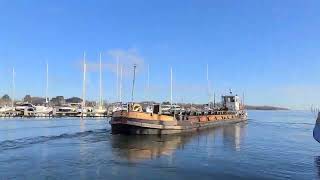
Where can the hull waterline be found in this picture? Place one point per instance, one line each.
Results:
(146, 127)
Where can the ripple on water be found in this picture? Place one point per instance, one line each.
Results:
(271, 145)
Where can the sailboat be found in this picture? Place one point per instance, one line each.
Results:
(10, 110)
(100, 110)
(119, 106)
(316, 130)
(45, 110)
(7, 110)
(149, 108)
(208, 108)
(83, 111)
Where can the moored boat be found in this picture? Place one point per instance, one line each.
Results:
(137, 121)
(316, 130)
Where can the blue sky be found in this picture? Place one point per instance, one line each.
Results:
(267, 49)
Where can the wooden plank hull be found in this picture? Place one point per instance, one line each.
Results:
(124, 125)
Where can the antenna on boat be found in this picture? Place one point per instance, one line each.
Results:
(84, 84)
(120, 88)
(13, 87)
(171, 87)
(133, 82)
(47, 83)
(100, 80)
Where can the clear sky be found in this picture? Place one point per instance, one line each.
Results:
(268, 49)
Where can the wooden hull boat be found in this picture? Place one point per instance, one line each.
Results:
(148, 123)
(137, 121)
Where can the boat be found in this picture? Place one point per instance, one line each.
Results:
(7, 111)
(25, 106)
(173, 119)
(137, 121)
(83, 111)
(43, 111)
(316, 130)
(100, 110)
(119, 106)
(66, 110)
(25, 109)
(167, 109)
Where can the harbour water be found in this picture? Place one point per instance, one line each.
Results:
(271, 145)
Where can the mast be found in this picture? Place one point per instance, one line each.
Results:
(120, 88)
(47, 83)
(171, 87)
(13, 87)
(214, 99)
(100, 82)
(208, 86)
(117, 88)
(148, 83)
(243, 103)
(84, 83)
(133, 82)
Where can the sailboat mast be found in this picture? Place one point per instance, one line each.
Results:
(208, 85)
(243, 103)
(47, 82)
(120, 88)
(214, 99)
(100, 81)
(117, 88)
(133, 82)
(171, 87)
(13, 87)
(148, 83)
(84, 83)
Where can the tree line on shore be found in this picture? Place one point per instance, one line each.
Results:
(58, 100)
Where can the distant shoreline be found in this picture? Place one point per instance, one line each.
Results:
(268, 108)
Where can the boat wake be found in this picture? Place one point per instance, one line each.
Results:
(25, 142)
(41, 127)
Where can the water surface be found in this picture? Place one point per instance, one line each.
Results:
(271, 145)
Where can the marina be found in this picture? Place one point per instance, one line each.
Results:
(152, 118)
